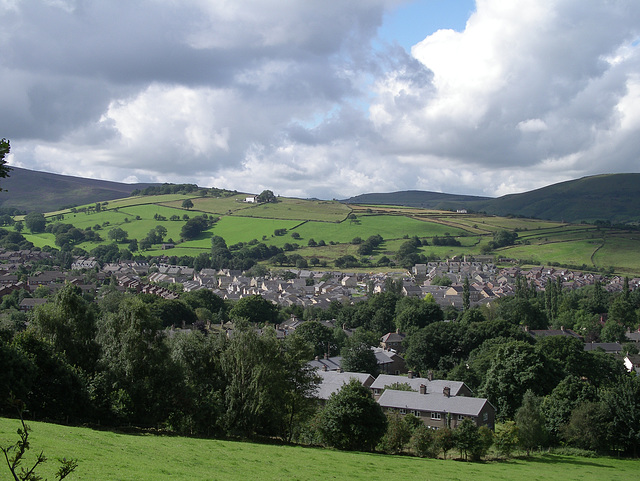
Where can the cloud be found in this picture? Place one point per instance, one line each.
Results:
(300, 98)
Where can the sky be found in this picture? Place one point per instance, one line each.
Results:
(323, 98)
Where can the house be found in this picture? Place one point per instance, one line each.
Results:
(632, 363)
(608, 347)
(251, 199)
(455, 388)
(537, 333)
(392, 340)
(389, 362)
(29, 303)
(438, 410)
(332, 381)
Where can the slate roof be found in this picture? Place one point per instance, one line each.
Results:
(433, 387)
(332, 381)
(410, 400)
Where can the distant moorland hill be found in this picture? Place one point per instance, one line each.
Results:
(30, 190)
(608, 197)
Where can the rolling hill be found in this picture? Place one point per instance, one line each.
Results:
(609, 197)
(30, 190)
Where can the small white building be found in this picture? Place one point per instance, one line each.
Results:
(252, 199)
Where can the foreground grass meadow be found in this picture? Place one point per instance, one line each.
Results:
(105, 455)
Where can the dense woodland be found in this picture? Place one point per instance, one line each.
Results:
(114, 361)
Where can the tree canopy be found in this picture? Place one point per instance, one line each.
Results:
(352, 419)
(5, 148)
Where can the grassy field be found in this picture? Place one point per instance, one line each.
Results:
(110, 456)
(540, 241)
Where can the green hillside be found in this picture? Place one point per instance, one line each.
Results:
(328, 230)
(611, 197)
(106, 456)
(608, 197)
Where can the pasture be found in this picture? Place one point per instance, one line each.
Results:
(538, 240)
(110, 456)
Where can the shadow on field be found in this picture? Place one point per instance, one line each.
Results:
(559, 459)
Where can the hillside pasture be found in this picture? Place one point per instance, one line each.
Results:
(299, 209)
(215, 205)
(110, 456)
(620, 250)
(389, 227)
(575, 253)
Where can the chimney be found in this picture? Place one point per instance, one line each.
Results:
(423, 389)
(410, 374)
(430, 375)
(324, 367)
(447, 391)
(326, 355)
(317, 358)
(340, 369)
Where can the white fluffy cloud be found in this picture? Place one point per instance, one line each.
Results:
(291, 96)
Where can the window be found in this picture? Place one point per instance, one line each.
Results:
(403, 411)
(436, 416)
(416, 413)
(376, 391)
(460, 417)
(485, 417)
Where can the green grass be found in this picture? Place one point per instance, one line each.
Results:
(106, 456)
(620, 251)
(571, 252)
(568, 244)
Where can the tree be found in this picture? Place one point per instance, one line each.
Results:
(5, 148)
(398, 434)
(187, 204)
(199, 359)
(622, 402)
(516, 368)
(587, 427)
(506, 438)
(530, 421)
(35, 222)
(118, 235)
(140, 381)
(318, 336)
(471, 440)
(267, 196)
(194, 227)
(466, 294)
(14, 455)
(69, 324)
(352, 419)
(255, 309)
(444, 440)
(359, 358)
(423, 442)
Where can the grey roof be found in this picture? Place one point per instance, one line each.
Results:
(433, 387)
(332, 381)
(605, 346)
(331, 364)
(468, 406)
